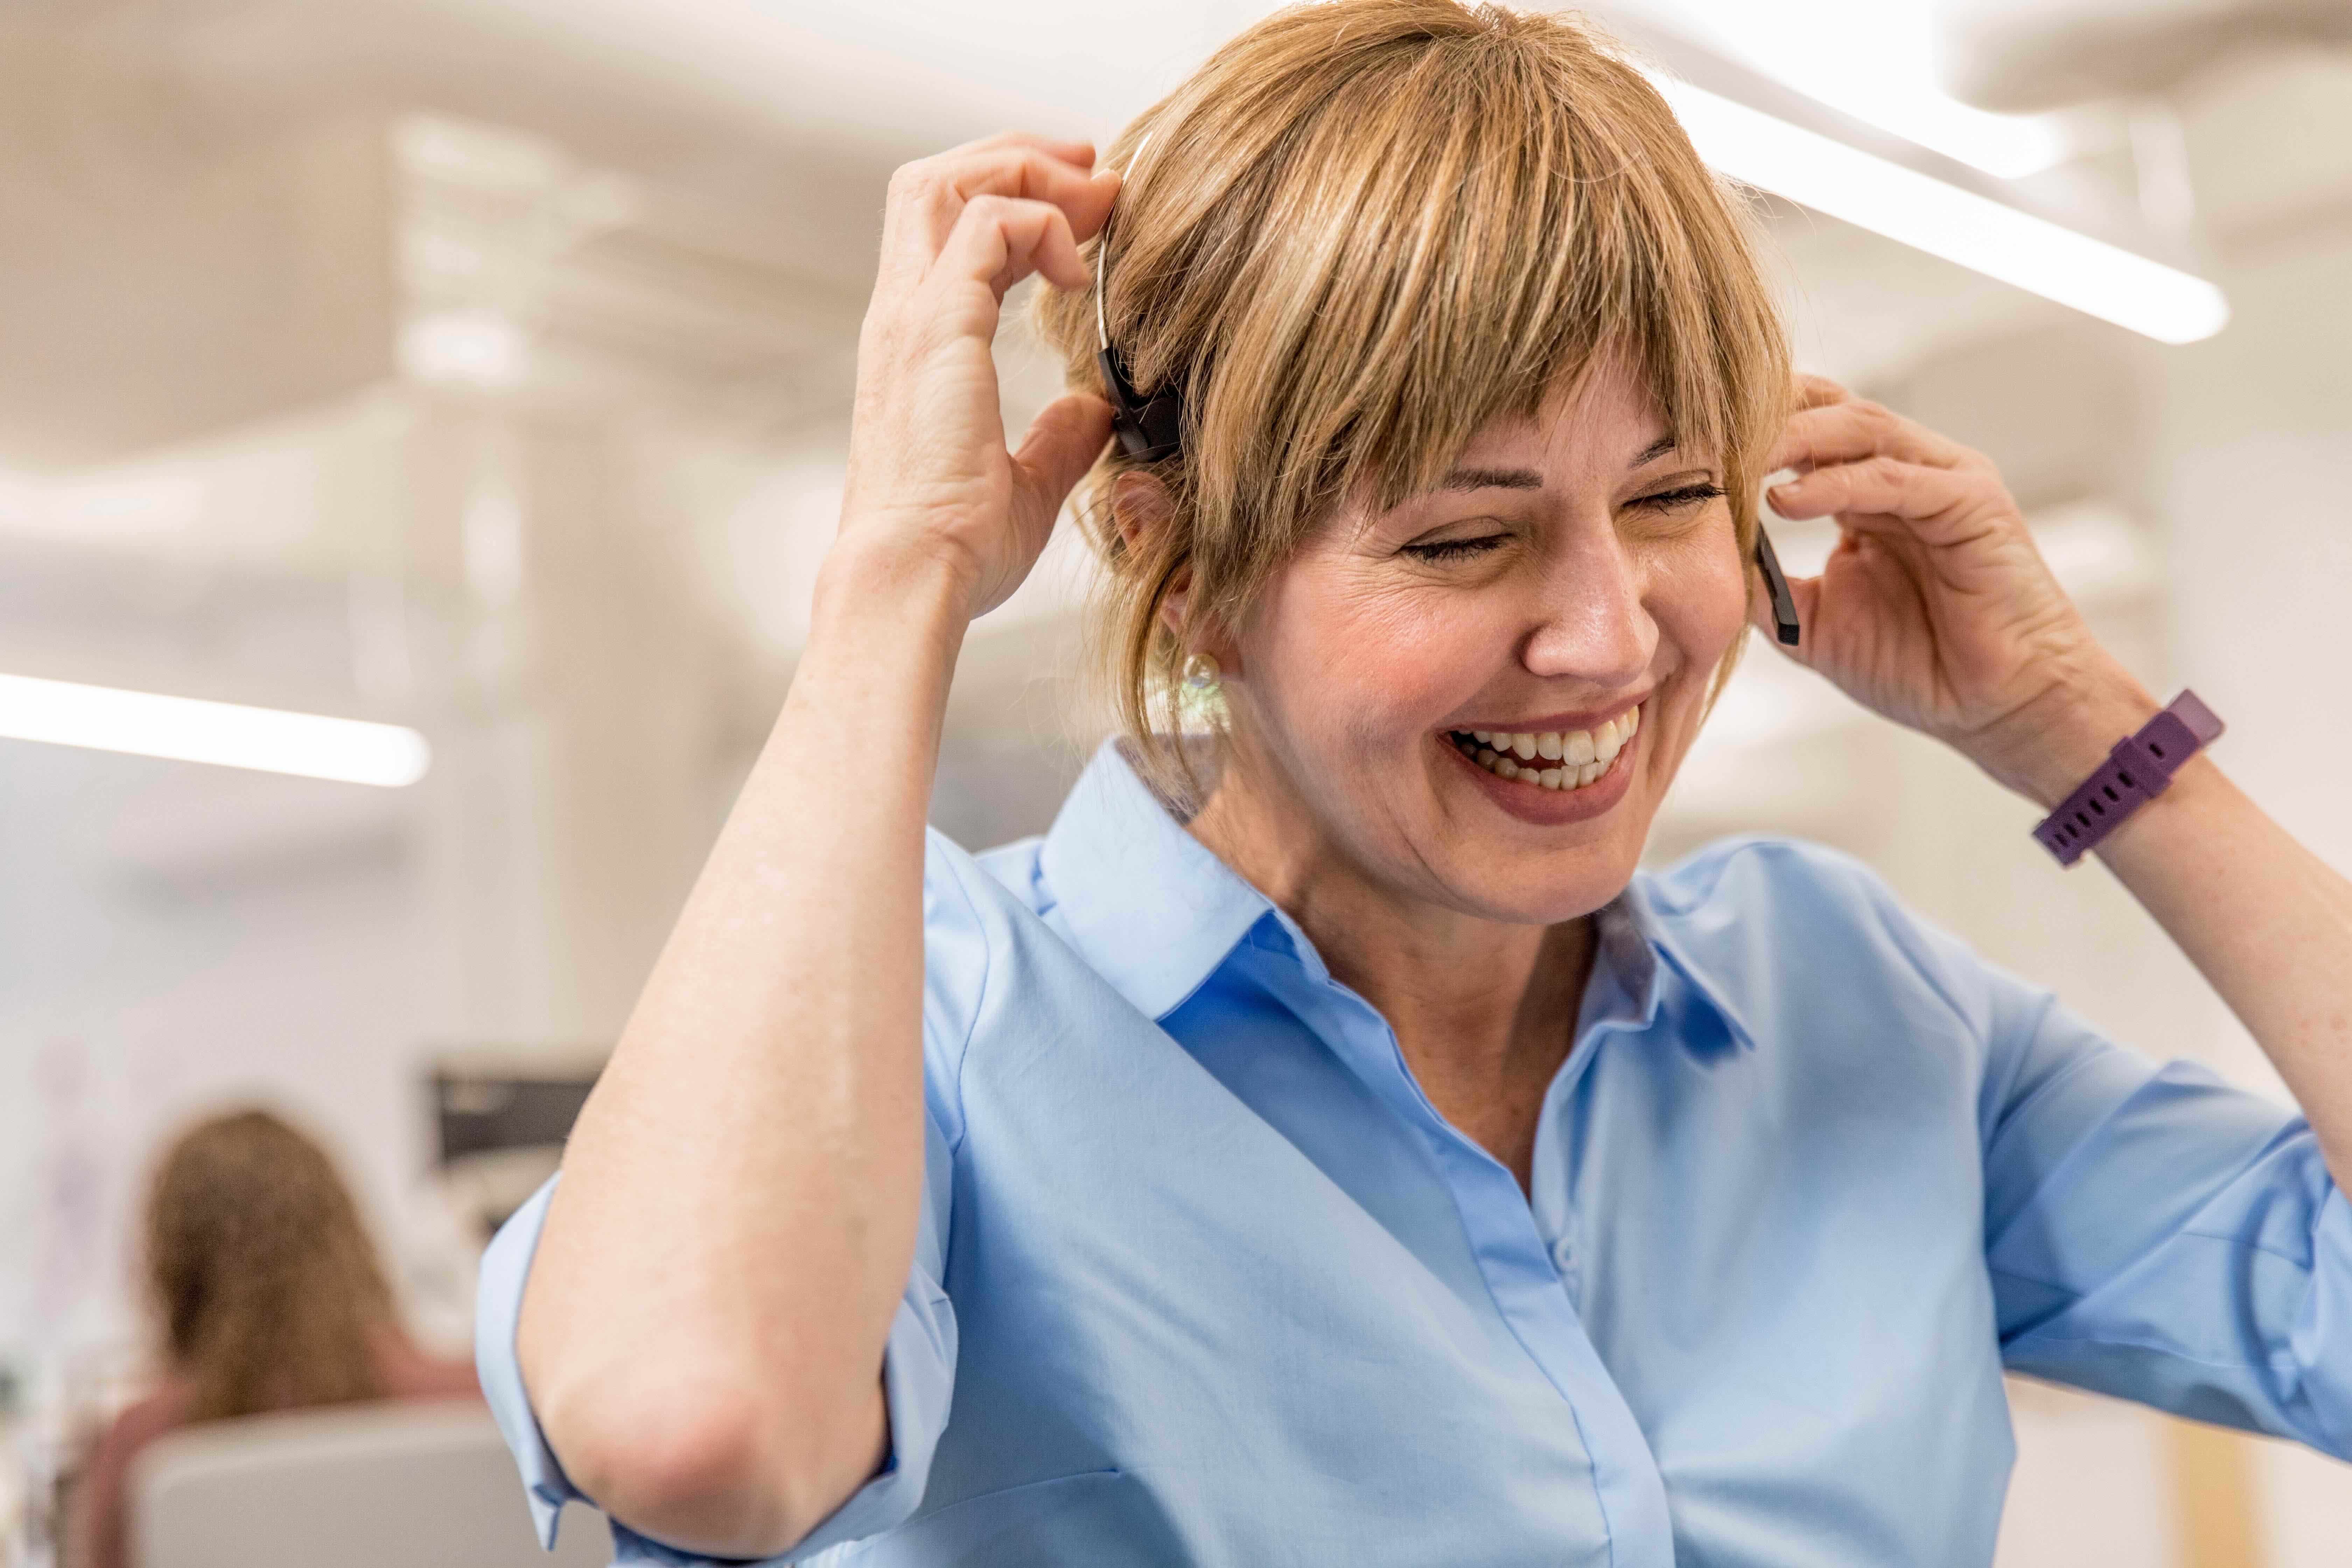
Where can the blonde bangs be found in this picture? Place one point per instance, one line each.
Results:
(1360, 233)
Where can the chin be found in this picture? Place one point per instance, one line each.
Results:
(1580, 881)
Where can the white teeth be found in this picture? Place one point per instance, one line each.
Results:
(1570, 775)
(1583, 755)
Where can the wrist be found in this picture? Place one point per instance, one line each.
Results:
(905, 580)
(2047, 747)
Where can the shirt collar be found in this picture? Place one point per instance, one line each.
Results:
(1147, 905)
(1154, 912)
(1659, 932)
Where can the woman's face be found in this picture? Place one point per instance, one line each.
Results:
(1479, 697)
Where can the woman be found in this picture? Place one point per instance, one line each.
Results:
(269, 1298)
(1323, 1146)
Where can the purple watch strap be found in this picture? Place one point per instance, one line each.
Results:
(2139, 769)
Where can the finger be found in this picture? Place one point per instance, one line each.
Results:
(1890, 488)
(1062, 443)
(1079, 154)
(928, 198)
(1846, 431)
(1000, 241)
(1819, 391)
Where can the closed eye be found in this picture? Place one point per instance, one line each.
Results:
(1682, 496)
(1454, 549)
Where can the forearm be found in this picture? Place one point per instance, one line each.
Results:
(2267, 923)
(736, 1217)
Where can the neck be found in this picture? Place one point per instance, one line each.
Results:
(1484, 1010)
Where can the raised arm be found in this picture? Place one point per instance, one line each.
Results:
(702, 1332)
(1935, 610)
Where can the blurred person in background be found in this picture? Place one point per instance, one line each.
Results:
(1326, 1145)
(268, 1296)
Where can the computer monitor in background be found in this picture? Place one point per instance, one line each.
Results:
(500, 1128)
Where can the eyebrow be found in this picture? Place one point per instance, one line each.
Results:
(1492, 480)
(1529, 480)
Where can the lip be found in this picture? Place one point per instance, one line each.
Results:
(1590, 719)
(1554, 808)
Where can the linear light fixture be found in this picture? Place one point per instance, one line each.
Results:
(1921, 211)
(146, 724)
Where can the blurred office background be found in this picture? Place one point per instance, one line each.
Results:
(480, 368)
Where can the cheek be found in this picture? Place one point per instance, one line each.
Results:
(1702, 608)
(1331, 658)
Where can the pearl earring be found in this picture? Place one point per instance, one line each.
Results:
(1201, 671)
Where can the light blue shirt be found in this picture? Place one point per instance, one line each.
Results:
(1204, 1277)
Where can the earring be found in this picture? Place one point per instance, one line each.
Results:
(1201, 671)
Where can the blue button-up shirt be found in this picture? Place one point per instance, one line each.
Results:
(1203, 1277)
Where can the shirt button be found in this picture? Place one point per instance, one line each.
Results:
(1562, 1255)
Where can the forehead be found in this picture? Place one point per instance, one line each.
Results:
(1605, 421)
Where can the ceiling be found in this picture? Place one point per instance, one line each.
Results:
(226, 222)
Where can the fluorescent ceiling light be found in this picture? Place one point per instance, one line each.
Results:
(267, 739)
(1988, 236)
(1873, 59)
(2008, 146)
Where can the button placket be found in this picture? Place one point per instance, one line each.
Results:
(1571, 1279)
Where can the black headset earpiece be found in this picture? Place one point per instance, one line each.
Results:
(1149, 428)
(1776, 588)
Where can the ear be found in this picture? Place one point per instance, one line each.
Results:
(1140, 505)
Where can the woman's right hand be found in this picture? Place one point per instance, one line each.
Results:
(928, 471)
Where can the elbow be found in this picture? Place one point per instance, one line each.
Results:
(693, 1461)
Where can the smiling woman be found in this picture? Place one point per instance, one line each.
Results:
(1326, 1145)
(1519, 206)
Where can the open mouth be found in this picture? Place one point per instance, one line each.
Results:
(1552, 759)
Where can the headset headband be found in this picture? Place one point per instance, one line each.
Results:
(1149, 428)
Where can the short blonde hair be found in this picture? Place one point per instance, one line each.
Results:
(1364, 230)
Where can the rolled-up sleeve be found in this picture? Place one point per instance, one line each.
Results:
(919, 1356)
(2154, 1234)
(918, 1374)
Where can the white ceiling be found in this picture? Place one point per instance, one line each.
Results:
(729, 155)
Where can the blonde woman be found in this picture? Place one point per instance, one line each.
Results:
(1323, 1146)
(270, 1297)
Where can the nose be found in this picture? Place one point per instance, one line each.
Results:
(1594, 626)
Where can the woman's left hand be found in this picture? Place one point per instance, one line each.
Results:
(1935, 608)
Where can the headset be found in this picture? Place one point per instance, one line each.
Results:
(1151, 428)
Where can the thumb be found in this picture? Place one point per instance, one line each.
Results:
(1062, 443)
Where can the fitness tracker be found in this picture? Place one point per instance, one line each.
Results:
(2139, 769)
